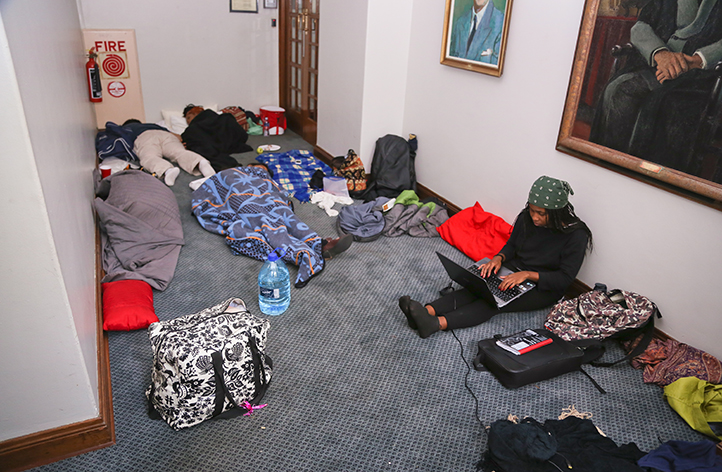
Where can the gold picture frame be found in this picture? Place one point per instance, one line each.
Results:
(475, 33)
(604, 33)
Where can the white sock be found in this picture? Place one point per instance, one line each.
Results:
(206, 168)
(170, 176)
(197, 183)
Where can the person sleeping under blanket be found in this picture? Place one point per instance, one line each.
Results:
(247, 207)
(214, 136)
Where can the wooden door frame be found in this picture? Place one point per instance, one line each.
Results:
(284, 58)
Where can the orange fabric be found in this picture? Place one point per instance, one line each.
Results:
(127, 305)
(475, 232)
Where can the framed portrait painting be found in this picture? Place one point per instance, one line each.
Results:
(645, 93)
(475, 33)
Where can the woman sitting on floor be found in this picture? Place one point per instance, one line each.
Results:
(547, 244)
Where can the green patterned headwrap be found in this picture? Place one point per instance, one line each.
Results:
(550, 193)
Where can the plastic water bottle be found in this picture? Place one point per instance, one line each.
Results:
(274, 286)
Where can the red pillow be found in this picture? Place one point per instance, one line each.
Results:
(475, 232)
(127, 305)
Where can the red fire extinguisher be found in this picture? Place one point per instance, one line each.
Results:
(92, 71)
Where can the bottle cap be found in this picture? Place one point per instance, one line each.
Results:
(274, 256)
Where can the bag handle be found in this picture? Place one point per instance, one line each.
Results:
(260, 381)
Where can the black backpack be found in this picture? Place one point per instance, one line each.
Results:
(392, 168)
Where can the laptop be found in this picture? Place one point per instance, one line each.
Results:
(488, 288)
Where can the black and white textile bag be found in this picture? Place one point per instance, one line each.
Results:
(208, 364)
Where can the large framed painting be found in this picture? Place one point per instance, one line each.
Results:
(475, 34)
(644, 94)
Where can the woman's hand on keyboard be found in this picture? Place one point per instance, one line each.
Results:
(491, 267)
(512, 280)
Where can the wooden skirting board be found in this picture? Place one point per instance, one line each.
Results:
(577, 288)
(52, 445)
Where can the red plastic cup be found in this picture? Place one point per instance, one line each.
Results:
(104, 171)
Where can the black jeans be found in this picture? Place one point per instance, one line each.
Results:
(462, 309)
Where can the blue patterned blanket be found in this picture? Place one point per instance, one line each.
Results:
(251, 211)
(293, 171)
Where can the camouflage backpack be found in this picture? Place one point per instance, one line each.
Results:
(595, 316)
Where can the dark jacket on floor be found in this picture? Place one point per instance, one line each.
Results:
(214, 137)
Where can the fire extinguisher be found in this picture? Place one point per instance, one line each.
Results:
(92, 71)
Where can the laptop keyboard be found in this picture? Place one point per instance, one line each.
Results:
(493, 282)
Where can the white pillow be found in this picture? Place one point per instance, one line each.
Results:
(177, 124)
(174, 121)
(167, 114)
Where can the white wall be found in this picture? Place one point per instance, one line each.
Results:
(341, 61)
(486, 139)
(48, 355)
(196, 51)
(385, 77)
(362, 99)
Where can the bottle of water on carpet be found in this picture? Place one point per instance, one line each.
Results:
(274, 286)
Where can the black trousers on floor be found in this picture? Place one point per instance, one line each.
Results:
(463, 309)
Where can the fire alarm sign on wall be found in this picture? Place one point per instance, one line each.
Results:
(119, 75)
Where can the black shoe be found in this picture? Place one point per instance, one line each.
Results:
(404, 305)
(334, 247)
(426, 324)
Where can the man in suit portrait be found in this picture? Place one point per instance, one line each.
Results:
(652, 107)
(476, 34)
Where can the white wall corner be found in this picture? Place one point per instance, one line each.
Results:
(386, 72)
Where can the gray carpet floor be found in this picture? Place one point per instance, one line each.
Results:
(354, 389)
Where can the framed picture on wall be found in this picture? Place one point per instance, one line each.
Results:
(270, 4)
(244, 6)
(628, 108)
(475, 33)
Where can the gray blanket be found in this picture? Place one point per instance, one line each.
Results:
(415, 220)
(140, 228)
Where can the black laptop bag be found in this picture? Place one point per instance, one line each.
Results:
(556, 358)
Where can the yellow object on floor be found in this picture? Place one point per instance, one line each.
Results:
(697, 401)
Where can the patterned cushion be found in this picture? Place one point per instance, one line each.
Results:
(238, 114)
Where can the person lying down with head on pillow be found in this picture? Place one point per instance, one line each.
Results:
(154, 144)
(247, 207)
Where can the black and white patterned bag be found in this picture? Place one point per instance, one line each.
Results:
(208, 364)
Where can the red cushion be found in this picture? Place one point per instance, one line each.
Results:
(127, 305)
(475, 232)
